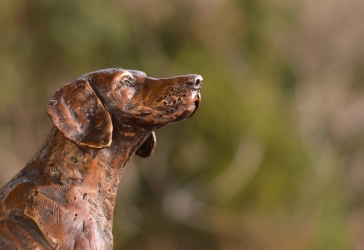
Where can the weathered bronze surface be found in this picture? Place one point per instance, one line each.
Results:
(64, 198)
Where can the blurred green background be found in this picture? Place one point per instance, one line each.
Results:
(274, 157)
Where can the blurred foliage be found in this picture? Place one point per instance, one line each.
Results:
(273, 159)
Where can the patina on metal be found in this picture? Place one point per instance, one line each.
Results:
(64, 198)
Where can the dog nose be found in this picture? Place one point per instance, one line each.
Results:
(195, 81)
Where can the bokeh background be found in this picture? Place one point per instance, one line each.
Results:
(273, 159)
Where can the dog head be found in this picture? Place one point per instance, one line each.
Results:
(88, 109)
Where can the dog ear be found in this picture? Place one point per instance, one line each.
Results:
(79, 114)
(148, 146)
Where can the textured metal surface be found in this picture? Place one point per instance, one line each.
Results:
(64, 198)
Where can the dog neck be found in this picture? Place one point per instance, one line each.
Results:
(63, 162)
(80, 179)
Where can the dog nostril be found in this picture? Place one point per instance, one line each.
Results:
(195, 82)
(198, 81)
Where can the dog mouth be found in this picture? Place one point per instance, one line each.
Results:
(192, 108)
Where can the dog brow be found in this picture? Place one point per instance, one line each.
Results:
(126, 73)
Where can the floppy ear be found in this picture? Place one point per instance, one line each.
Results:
(79, 114)
(148, 146)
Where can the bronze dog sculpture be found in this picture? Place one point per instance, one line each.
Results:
(64, 198)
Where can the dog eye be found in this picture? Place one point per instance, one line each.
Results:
(118, 85)
(128, 81)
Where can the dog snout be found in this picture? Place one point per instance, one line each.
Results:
(195, 81)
